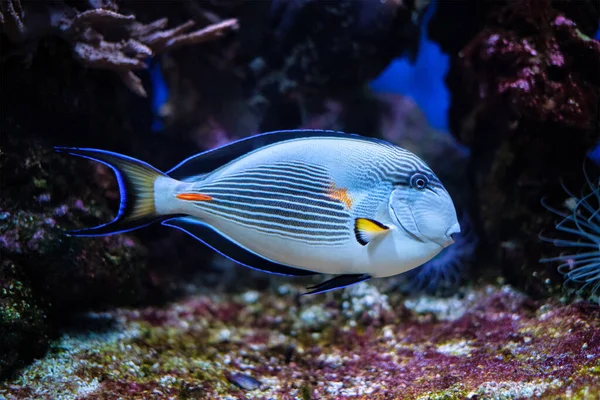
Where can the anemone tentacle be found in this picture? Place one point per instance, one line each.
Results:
(581, 264)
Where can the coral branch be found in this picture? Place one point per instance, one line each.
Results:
(99, 17)
(209, 33)
(134, 83)
(124, 54)
(11, 18)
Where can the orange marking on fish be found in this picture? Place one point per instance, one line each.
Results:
(193, 197)
(340, 194)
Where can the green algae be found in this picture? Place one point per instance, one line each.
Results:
(455, 392)
(23, 330)
(189, 348)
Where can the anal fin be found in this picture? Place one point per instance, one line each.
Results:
(338, 282)
(230, 249)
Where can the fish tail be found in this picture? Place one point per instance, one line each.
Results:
(136, 181)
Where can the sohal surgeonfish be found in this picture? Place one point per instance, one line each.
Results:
(298, 202)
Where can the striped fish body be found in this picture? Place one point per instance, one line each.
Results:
(295, 203)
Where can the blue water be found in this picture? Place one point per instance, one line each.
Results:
(422, 81)
(159, 93)
(594, 155)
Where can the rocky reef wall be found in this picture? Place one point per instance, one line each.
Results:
(77, 74)
(161, 81)
(524, 82)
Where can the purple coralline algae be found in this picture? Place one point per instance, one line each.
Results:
(524, 87)
(54, 91)
(484, 343)
(154, 314)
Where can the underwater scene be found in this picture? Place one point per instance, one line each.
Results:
(299, 199)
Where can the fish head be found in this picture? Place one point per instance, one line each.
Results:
(423, 208)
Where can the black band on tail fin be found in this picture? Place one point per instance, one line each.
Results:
(136, 189)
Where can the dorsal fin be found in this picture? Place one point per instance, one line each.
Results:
(210, 160)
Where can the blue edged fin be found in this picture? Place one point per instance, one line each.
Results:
(208, 161)
(230, 249)
(340, 281)
(136, 189)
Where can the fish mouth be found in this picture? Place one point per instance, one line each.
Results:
(450, 233)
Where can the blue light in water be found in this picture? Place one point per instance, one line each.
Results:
(594, 155)
(423, 81)
(160, 94)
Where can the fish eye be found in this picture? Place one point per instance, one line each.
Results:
(419, 181)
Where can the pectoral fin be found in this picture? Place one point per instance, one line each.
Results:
(338, 282)
(367, 229)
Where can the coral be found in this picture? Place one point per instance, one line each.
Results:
(319, 50)
(313, 40)
(503, 344)
(524, 89)
(284, 75)
(523, 81)
(63, 95)
(306, 56)
(365, 303)
(100, 37)
(581, 221)
(45, 276)
(66, 94)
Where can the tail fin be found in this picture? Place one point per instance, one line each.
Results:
(136, 188)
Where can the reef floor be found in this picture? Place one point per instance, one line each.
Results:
(486, 342)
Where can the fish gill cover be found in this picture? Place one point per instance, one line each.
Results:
(502, 104)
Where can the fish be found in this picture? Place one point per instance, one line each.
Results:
(293, 202)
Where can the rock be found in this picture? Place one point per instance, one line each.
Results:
(317, 50)
(524, 82)
(56, 91)
(23, 328)
(489, 342)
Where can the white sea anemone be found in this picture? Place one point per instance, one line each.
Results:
(580, 265)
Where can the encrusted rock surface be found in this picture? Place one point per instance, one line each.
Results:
(63, 68)
(54, 92)
(523, 81)
(491, 342)
(101, 37)
(525, 84)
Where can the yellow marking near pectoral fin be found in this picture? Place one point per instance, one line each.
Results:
(193, 197)
(340, 194)
(367, 229)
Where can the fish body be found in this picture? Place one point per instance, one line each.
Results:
(296, 203)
